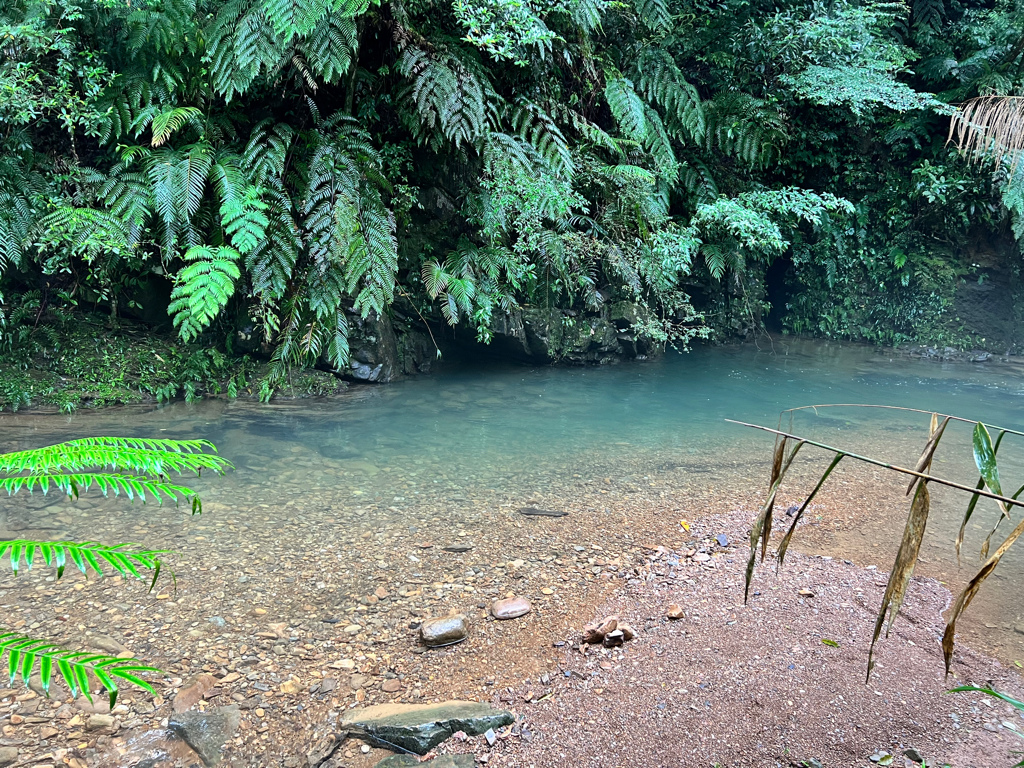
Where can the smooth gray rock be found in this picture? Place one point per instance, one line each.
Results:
(444, 761)
(510, 608)
(206, 732)
(8, 755)
(444, 631)
(419, 728)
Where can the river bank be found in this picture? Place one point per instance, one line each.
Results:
(299, 617)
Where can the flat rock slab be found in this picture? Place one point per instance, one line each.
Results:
(534, 512)
(206, 732)
(418, 728)
(444, 761)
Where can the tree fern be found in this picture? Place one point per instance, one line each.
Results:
(203, 288)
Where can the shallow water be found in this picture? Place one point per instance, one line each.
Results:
(477, 435)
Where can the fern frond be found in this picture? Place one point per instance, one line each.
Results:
(166, 123)
(535, 126)
(132, 454)
(628, 108)
(76, 483)
(83, 556)
(654, 14)
(203, 288)
(24, 654)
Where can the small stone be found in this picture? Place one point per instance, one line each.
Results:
(547, 591)
(595, 632)
(260, 611)
(702, 557)
(353, 629)
(8, 755)
(806, 592)
(365, 749)
(722, 539)
(105, 644)
(391, 686)
(913, 755)
(491, 738)
(675, 612)
(98, 706)
(291, 686)
(510, 608)
(47, 732)
(193, 691)
(380, 593)
(614, 639)
(444, 631)
(628, 633)
(99, 722)
(328, 685)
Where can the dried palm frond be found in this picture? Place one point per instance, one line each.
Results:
(990, 127)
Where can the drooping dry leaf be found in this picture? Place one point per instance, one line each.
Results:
(903, 568)
(799, 513)
(761, 530)
(964, 600)
(925, 460)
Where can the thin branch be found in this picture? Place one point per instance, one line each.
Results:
(902, 408)
(930, 478)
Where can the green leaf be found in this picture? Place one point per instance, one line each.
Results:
(829, 643)
(985, 459)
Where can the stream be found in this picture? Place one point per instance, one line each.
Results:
(475, 436)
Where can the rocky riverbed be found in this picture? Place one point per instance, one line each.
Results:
(300, 595)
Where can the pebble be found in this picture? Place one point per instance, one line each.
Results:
(675, 611)
(8, 755)
(99, 722)
(444, 631)
(391, 686)
(510, 608)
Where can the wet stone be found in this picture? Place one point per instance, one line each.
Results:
(419, 728)
(444, 631)
(510, 608)
(444, 761)
(206, 732)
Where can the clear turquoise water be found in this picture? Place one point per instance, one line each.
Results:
(520, 432)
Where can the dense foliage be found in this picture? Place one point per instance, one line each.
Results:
(290, 165)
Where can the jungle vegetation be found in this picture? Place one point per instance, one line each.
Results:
(285, 167)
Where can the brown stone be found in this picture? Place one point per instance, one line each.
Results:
(99, 722)
(595, 632)
(391, 686)
(193, 691)
(675, 612)
(510, 608)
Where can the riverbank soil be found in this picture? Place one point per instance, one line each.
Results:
(300, 593)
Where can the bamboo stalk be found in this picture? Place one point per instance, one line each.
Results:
(893, 467)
